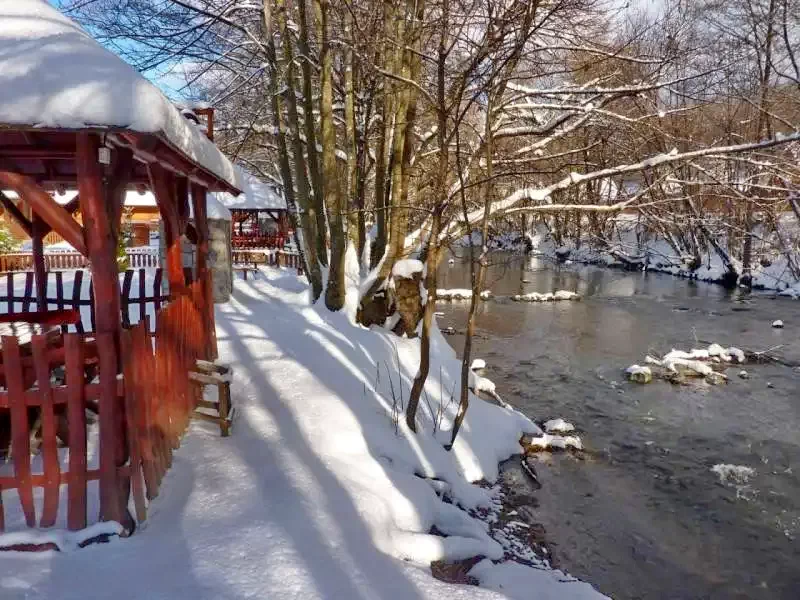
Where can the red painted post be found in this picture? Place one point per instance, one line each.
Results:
(101, 246)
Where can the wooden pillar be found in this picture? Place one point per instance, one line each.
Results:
(165, 189)
(101, 249)
(203, 272)
(38, 228)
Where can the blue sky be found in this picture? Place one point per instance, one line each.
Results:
(169, 83)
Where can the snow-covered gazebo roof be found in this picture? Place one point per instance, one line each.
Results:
(55, 77)
(256, 194)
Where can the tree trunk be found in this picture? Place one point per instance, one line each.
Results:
(477, 276)
(308, 217)
(335, 292)
(380, 200)
(311, 137)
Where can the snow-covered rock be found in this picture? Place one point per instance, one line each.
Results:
(460, 294)
(639, 374)
(558, 426)
(478, 363)
(736, 474)
(548, 441)
(546, 297)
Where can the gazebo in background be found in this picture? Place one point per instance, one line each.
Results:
(259, 215)
(73, 115)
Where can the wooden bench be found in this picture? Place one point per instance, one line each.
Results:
(208, 373)
(245, 269)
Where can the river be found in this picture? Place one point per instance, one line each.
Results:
(642, 515)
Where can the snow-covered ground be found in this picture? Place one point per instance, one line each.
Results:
(321, 491)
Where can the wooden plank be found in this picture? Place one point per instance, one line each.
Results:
(76, 419)
(92, 307)
(143, 369)
(127, 280)
(142, 295)
(10, 291)
(39, 269)
(157, 289)
(20, 437)
(110, 502)
(52, 474)
(77, 284)
(158, 403)
(60, 290)
(133, 408)
(26, 303)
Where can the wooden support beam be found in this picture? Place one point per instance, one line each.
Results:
(102, 253)
(16, 214)
(121, 171)
(71, 207)
(46, 207)
(55, 153)
(152, 150)
(164, 187)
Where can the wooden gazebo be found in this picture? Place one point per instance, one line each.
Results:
(259, 215)
(74, 115)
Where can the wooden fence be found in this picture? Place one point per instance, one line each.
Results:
(275, 258)
(140, 290)
(23, 261)
(142, 413)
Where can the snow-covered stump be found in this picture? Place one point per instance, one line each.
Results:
(407, 279)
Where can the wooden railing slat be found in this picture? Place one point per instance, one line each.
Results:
(49, 445)
(132, 409)
(76, 420)
(20, 438)
(110, 505)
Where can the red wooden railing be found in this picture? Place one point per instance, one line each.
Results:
(57, 407)
(258, 240)
(140, 290)
(276, 258)
(23, 261)
(142, 415)
(142, 259)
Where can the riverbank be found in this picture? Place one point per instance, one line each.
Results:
(321, 491)
(630, 249)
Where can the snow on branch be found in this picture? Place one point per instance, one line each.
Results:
(573, 179)
(623, 90)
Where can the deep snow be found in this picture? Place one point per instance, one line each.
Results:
(320, 492)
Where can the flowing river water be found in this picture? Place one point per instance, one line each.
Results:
(642, 514)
